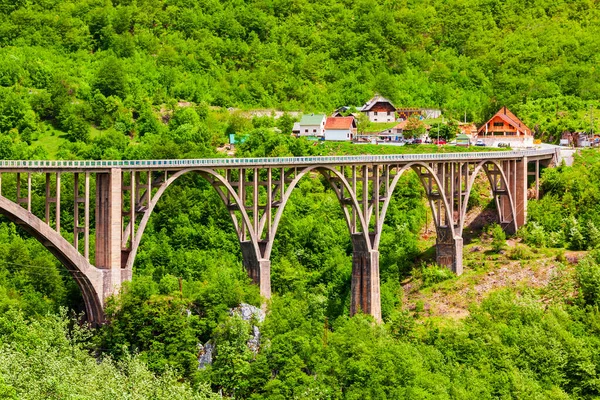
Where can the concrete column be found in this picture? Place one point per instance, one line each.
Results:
(449, 251)
(258, 269)
(366, 296)
(109, 229)
(520, 192)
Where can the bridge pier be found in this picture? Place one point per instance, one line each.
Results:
(365, 290)
(108, 230)
(449, 253)
(258, 268)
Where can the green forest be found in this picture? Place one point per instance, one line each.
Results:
(167, 79)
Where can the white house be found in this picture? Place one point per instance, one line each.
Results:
(379, 109)
(311, 125)
(340, 128)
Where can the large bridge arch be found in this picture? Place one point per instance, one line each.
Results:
(209, 175)
(415, 166)
(499, 188)
(89, 278)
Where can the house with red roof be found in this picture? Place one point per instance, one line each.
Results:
(505, 127)
(340, 128)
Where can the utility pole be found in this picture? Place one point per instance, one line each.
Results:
(591, 120)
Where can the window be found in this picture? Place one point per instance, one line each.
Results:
(314, 131)
(306, 131)
(374, 112)
(389, 113)
(375, 120)
(498, 123)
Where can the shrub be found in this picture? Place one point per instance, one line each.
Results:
(520, 252)
(588, 278)
(432, 274)
(498, 237)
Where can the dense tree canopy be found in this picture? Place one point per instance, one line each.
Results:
(117, 63)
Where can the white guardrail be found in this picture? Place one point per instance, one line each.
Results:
(266, 161)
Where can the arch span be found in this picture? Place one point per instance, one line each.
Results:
(89, 278)
(497, 192)
(414, 166)
(208, 174)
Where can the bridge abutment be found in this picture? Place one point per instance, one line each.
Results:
(365, 290)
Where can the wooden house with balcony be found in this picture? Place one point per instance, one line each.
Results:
(379, 109)
(505, 127)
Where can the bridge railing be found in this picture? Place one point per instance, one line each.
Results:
(231, 162)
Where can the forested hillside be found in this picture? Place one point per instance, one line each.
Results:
(122, 64)
(154, 78)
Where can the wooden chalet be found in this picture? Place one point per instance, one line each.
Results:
(379, 109)
(504, 123)
(505, 127)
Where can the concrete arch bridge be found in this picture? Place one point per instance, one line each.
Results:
(255, 191)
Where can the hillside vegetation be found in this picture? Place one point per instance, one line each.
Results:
(72, 64)
(151, 78)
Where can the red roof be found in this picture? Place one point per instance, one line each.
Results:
(339, 123)
(507, 116)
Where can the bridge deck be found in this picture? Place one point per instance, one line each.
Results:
(98, 165)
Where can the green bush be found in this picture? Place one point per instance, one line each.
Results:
(520, 252)
(432, 274)
(498, 237)
(588, 278)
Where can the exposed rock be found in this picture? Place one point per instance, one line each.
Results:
(248, 313)
(205, 355)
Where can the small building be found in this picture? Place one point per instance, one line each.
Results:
(379, 109)
(463, 140)
(504, 127)
(398, 129)
(344, 111)
(340, 128)
(311, 125)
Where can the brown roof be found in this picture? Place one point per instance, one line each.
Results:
(375, 100)
(507, 116)
(339, 123)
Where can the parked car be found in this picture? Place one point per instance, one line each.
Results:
(440, 141)
(418, 141)
(480, 142)
(503, 144)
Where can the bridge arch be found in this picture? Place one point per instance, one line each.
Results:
(431, 173)
(89, 279)
(504, 182)
(208, 174)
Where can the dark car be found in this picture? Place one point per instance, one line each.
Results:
(418, 141)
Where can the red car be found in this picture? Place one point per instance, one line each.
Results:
(440, 141)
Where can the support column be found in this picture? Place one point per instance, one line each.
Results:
(449, 250)
(365, 294)
(520, 192)
(258, 268)
(109, 228)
